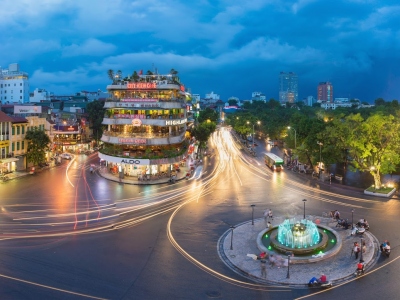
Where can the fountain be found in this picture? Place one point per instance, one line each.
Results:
(298, 234)
(301, 238)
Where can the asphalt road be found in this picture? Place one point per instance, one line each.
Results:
(69, 234)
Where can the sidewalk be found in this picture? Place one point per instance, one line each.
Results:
(103, 172)
(338, 268)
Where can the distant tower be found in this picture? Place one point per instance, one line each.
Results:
(288, 87)
(325, 91)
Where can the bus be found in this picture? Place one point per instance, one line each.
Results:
(274, 162)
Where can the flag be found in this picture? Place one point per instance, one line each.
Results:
(140, 72)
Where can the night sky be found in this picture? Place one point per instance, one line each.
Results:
(230, 47)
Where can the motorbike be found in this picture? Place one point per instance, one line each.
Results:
(358, 230)
(363, 225)
(316, 284)
(359, 272)
(343, 223)
(385, 252)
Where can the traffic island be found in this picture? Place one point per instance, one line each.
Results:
(382, 192)
(240, 251)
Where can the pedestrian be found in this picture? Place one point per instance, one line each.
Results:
(269, 224)
(263, 263)
(270, 216)
(336, 215)
(364, 247)
(356, 249)
(266, 217)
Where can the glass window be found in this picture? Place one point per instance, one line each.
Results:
(18, 130)
(23, 129)
(13, 130)
(23, 145)
(13, 147)
(17, 146)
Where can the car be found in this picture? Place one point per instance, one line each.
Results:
(66, 156)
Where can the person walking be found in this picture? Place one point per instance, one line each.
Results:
(263, 263)
(356, 249)
(266, 218)
(270, 215)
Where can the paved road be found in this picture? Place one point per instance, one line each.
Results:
(155, 251)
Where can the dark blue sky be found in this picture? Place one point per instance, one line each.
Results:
(230, 47)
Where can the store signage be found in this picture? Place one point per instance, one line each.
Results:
(175, 122)
(132, 141)
(128, 116)
(4, 143)
(131, 161)
(141, 85)
(136, 122)
(27, 109)
(139, 100)
(182, 87)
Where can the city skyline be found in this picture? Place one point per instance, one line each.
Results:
(232, 49)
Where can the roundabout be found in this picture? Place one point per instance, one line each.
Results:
(240, 250)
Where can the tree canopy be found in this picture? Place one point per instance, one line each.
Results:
(38, 144)
(96, 112)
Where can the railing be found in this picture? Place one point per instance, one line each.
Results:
(142, 135)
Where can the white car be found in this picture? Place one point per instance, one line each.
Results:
(66, 156)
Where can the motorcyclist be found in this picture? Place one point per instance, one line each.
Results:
(322, 279)
(383, 246)
(360, 267)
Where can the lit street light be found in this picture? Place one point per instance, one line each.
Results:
(304, 215)
(295, 133)
(258, 123)
(320, 158)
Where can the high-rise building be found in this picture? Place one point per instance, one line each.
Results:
(288, 87)
(14, 85)
(325, 91)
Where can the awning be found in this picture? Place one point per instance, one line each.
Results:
(8, 160)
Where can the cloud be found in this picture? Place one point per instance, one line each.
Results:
(91, 47)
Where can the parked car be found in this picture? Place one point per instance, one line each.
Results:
(66, 156)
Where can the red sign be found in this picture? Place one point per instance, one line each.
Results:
(141, 85)
(182, 88)
(139, 100)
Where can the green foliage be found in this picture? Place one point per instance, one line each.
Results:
(202, 132)
(232, 102)
(208, 114)
(96, 112)
(38, 144)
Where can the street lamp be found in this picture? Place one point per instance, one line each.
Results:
(232, 227)
(320, 158)
(289, 254)
(295, 133)
(252, 214)
(304, 201)
(361, 255)
(258, 123)
(352, 222)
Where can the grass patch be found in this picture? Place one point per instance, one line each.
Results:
(382, 190)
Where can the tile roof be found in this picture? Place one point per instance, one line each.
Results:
(5, 118)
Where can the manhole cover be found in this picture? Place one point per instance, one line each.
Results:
(213, 294)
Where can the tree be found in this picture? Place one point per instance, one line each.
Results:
(173, 72)
(38, 144)
(135, 76)
(202, 133)
(119, 75)
(110, 74)
(232, 102)
(96, 112)
(208, 114)
(380, 102)
(374, 144)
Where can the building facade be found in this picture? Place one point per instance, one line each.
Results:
(146, 127)
(288, 87)
(14, 85)
(325, 92)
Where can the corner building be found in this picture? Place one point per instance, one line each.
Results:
(146, 127)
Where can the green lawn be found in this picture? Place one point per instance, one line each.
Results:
(383, 190)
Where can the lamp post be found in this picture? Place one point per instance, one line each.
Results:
(258, 123)
(361, 252)
(289, 254)
(232, 227)
(304, 215)
(295, 133)
(252, 214)
(320, 158)
(352, 222)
